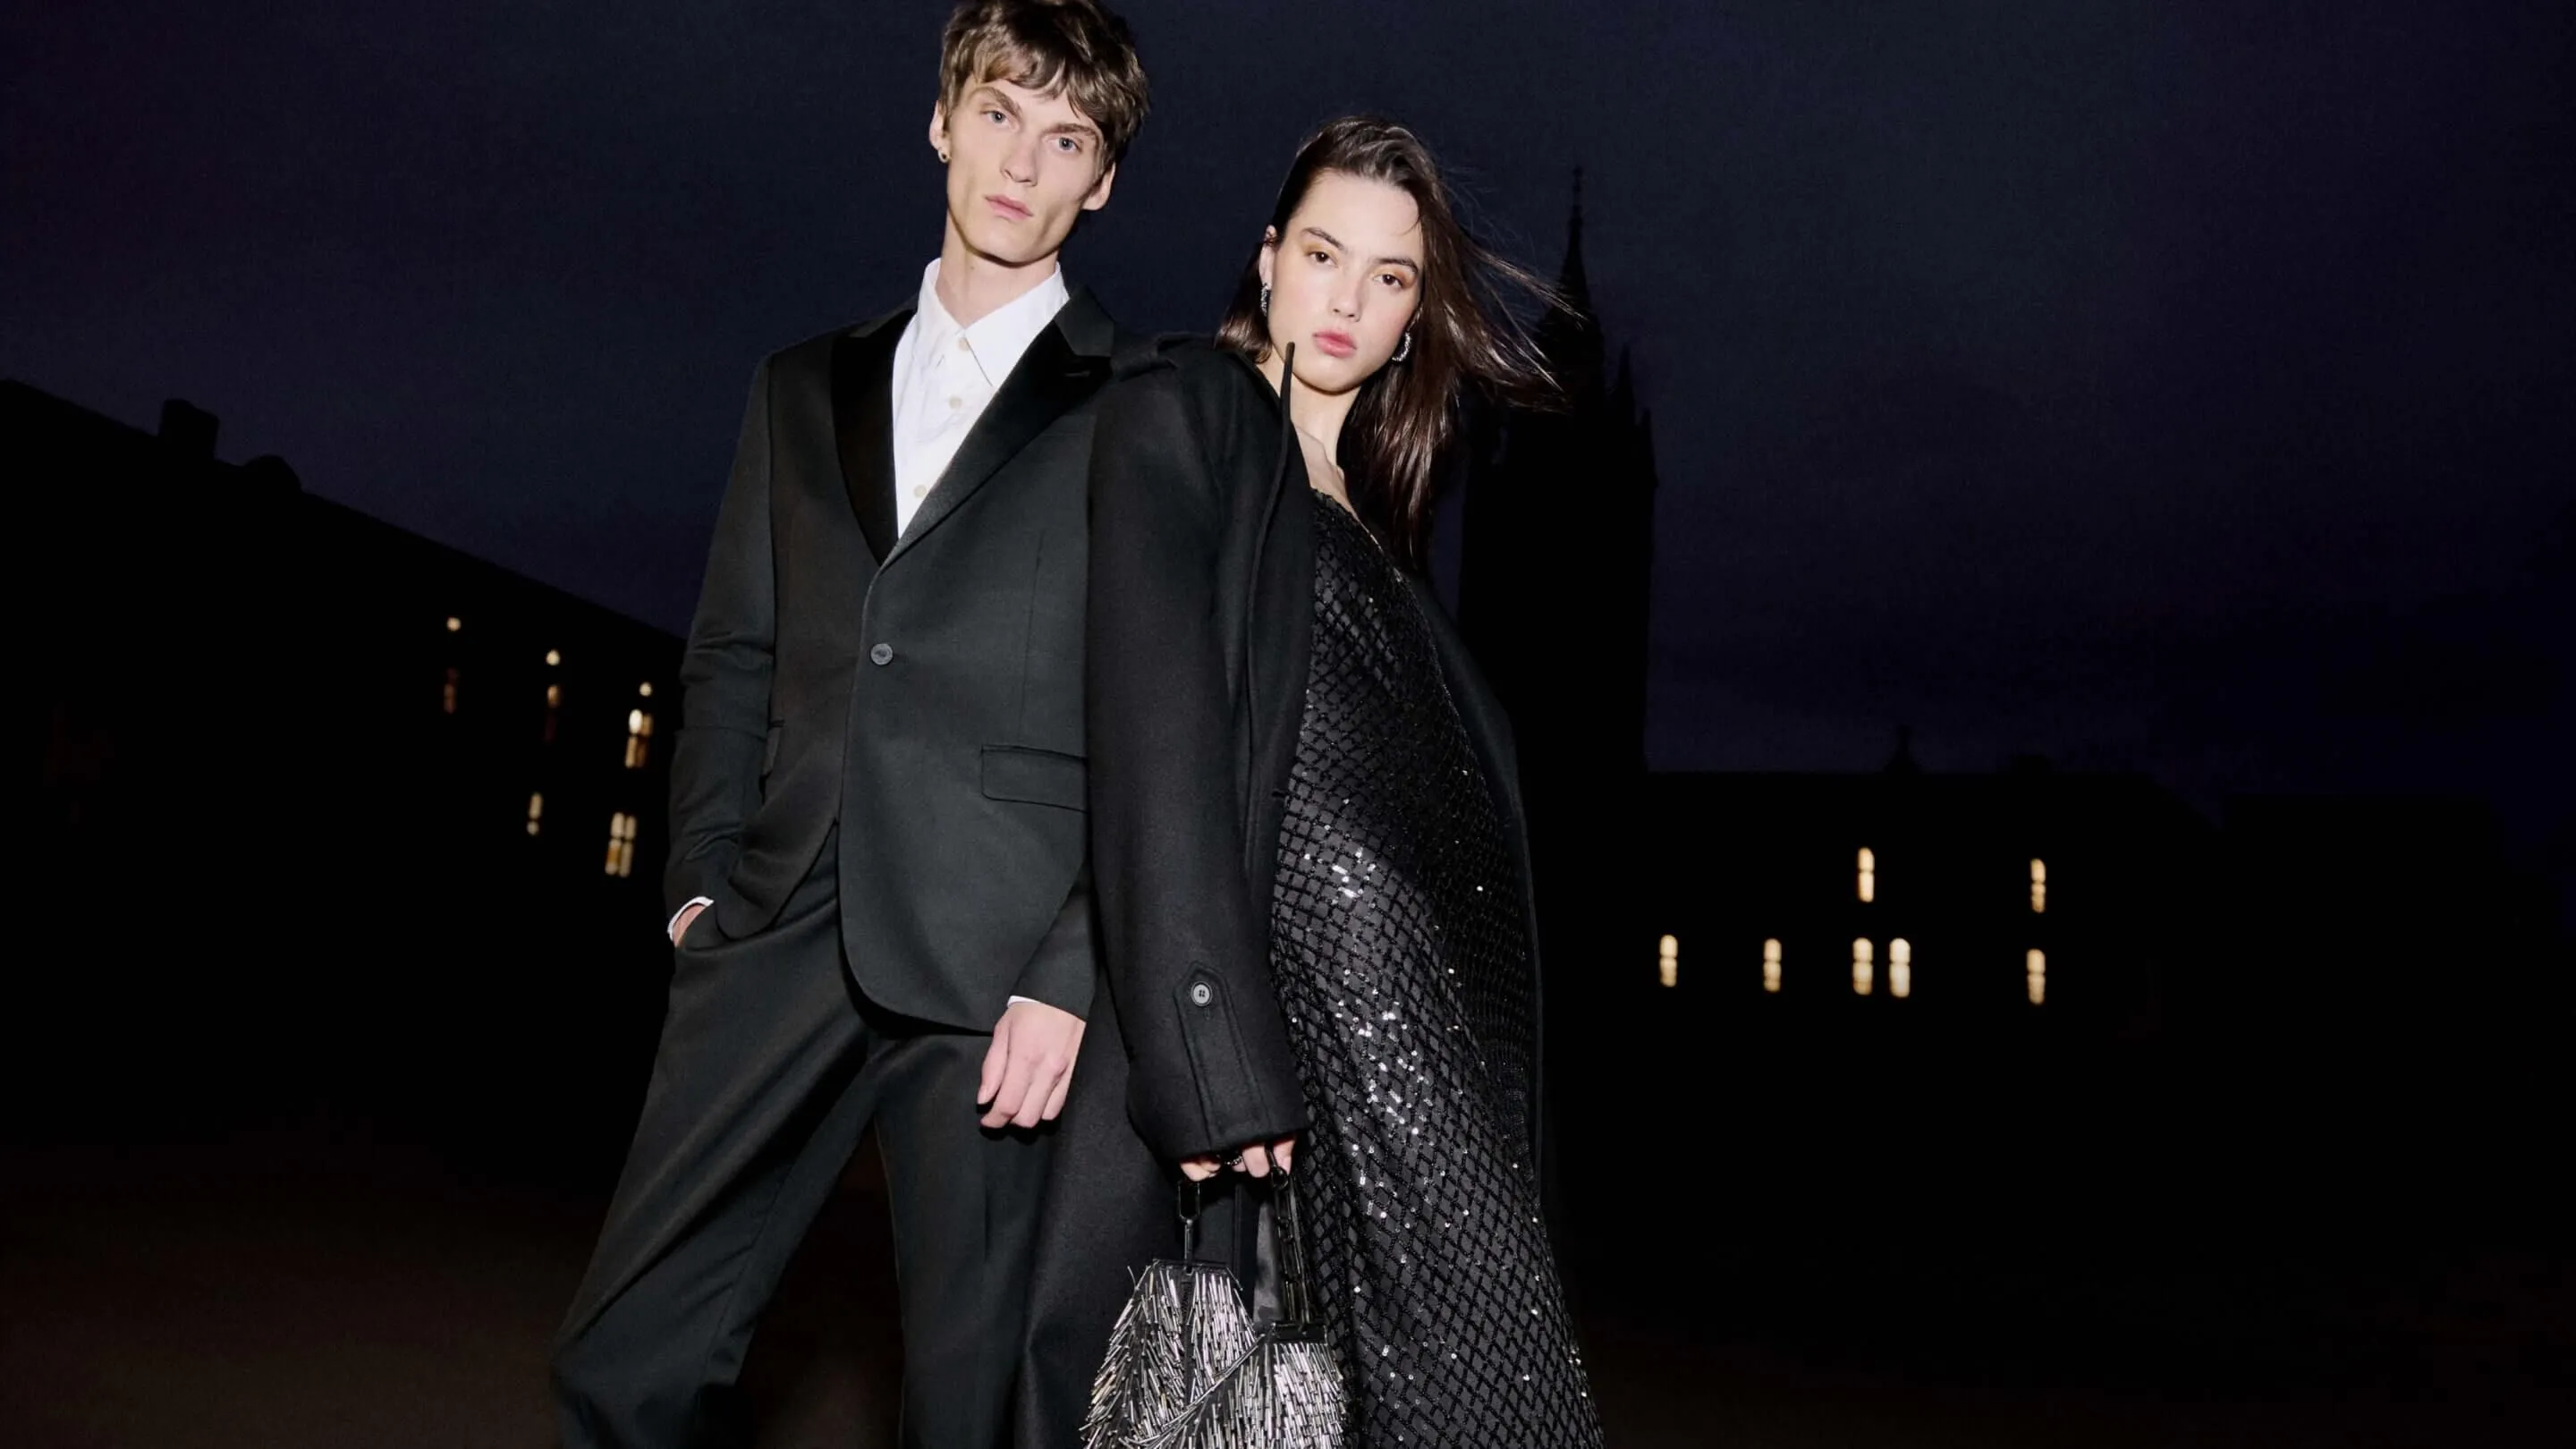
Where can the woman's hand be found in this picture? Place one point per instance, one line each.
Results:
(1254, 1159)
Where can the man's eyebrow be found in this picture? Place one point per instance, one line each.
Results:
(989, 93)
(1075, 127)
(1330, 239)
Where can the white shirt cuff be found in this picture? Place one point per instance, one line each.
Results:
(672, 928)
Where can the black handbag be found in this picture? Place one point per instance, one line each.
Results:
(1193, 1365)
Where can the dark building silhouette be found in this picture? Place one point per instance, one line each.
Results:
(1554, 589)
(321, 805)
(1556, 581)
(2013, 1011)
(1959, 901)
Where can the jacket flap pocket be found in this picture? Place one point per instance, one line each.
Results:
(1039, 777)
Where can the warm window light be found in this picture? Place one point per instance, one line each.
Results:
(536, 812)
(645, 689)
(639, 734)
(1868, 875)
(1900, 967)
(554, 656)
(1771, 965)
(454, 623)
(1668, 960)
(2035, 967)
(2038, 886)
(447, 698)
(1864, 967)
(621, 844)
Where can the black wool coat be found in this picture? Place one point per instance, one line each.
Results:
(1200, 629)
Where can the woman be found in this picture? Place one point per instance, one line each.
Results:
(1306, 833)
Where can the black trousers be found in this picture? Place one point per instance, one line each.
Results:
(770, 1068)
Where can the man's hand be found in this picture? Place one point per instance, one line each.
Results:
(1029, 1067)
(681, 923)
(1254, 1159)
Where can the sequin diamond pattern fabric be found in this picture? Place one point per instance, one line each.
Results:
(1400, 951)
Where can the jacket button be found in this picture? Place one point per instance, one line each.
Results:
(882, 654)
(1200, 995)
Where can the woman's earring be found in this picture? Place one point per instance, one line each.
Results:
(1404, 349)
(1265, 299)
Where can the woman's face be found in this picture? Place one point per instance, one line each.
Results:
(1345, 279)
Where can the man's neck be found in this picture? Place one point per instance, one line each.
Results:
(973, 287)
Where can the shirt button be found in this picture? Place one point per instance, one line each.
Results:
(1200, 995)
(965, 346)
(918, 489)
(957, 402)
(882, 654)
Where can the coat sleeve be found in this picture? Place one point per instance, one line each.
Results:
(1187, 955)
(725, 675)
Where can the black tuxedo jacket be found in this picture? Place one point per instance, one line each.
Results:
(922, 692)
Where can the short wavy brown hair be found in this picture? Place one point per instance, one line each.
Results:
(1079, 47)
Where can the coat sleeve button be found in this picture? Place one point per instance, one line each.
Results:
(1200, 995)
(882, 654)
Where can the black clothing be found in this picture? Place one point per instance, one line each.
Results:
(879, 782)
(1201, 626)
(1400, 947)
(929, 687)
(771, 1068)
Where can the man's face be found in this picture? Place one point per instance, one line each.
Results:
(1022, 166)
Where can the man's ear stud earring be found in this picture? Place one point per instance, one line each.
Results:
(943, 158)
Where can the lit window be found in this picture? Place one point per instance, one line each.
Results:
(554, 656)
(1900, 967)
(2038, 886)
(554, 696)
(536, 812)
(1668, 960)
(639, 734)
(2035, 967)
(1868, 875)
(645, 689)
(454, 623)
(1771, 965)
(447, 698)
(1864, 967)
(621, 844)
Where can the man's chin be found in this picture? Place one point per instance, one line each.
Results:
(1014, 246)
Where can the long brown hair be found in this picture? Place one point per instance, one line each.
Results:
(1464, 331)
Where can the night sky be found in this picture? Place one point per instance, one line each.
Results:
(2182, 387)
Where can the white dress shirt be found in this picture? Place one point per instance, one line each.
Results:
(944, 377)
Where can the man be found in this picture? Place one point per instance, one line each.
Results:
(877, 870)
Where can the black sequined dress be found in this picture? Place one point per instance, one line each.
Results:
(1400, 950)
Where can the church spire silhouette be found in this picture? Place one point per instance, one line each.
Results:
(1554, 590)
(1570, 335)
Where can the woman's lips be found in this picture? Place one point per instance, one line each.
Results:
(1006, 207)
(1335, 344)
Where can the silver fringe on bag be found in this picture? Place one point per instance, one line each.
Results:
(1187, 1368)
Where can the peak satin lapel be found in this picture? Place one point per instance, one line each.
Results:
(1050, 378)
(863, 426)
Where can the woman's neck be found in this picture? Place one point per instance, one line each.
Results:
(1317, 415)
